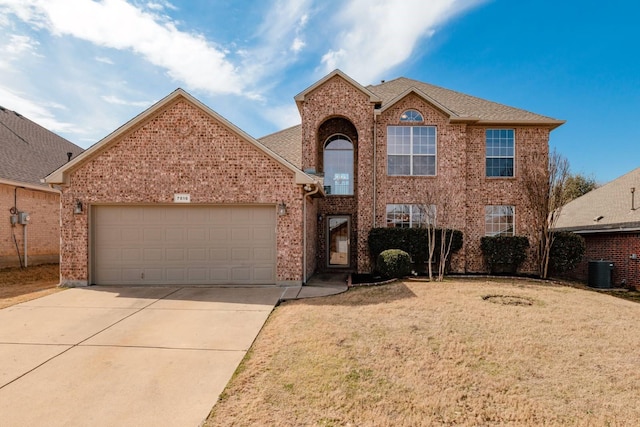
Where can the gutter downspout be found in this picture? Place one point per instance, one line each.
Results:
(24, 237)
(375, 164)
(304, 235)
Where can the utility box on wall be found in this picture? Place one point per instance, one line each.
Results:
(600, 273)
(23, 218)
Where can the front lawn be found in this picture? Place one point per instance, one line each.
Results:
(23, 284)
(462, 352)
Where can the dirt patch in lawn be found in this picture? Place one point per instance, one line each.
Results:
(19, 285)
(408, 354)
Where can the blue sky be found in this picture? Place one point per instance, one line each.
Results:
(82, 68)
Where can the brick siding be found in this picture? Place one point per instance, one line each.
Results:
(181, 149)
(615, 247)
(460, 188)
(43, 230)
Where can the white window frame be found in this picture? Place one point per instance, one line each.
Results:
(500, 156)
(411, 153)
(413, 214)
(493, 228)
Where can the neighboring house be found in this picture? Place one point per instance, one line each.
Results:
(180, 195)
(30, 208)
(609, 220)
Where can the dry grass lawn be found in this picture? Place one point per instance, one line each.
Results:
(20, 285)
(464, 352)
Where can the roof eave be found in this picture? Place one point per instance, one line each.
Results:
(550, 123)
(624, 227)
(27, 185)
(60, 176)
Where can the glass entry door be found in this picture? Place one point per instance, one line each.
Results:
(338, 246)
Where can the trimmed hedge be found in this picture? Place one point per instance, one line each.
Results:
(567, 251)
(411, 240)
(394, 263)
(504, 254)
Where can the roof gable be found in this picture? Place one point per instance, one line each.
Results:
(462, 107)
(29, 151)
(437, 105)
(372, 97)
(607, 208)
(60, 176)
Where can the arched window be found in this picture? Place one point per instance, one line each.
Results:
(411, 116)
(338, 165)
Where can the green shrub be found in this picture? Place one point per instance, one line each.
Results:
(567, 251)
(411, 240)
(394, 263)
(504, 254)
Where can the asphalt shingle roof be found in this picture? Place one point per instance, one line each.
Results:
(464, 106)
(29, 151)
(288, 142)
(611, 203)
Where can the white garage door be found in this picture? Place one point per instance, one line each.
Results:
(159, 245)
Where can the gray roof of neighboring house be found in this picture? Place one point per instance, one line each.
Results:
(288, 142)
(605, 209)
(29, 151)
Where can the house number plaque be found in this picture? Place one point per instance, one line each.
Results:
(182, 198)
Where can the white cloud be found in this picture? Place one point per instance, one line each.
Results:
(297, 45)
(283, 116)
(34, 110)
(280, 38)
(104, 60)
(15, 48)
(187, 57)
(112, 99)
(377, 35)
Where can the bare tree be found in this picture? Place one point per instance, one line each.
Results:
(445, 243)
(428, 220)
(545, 190)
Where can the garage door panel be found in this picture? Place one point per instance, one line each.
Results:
(133, 215)
(131, 254)
(174, 234)
(176, 275)
(197, 234)
(131, 275)
(153, 234)
(240, 234)
(219, 274)
(199, 254)
(183, 245)
(262, 255)
(241, 274)
(197, 274)
(153, 274)
(175, 254)
(219, 254)
(152, 254)
(263, 273)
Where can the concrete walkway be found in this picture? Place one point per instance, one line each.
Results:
(143, 356)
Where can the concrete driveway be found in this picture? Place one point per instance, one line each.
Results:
(137, 356)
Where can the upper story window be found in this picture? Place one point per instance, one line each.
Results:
(499, 220)
(411, 150)
(499, 152)
(410, 216)
(338, 165)
(411, 116)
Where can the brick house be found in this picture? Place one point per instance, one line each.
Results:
(609, 220)
(30, 227)
(180, 195)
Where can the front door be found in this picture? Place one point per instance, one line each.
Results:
(338, 247)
